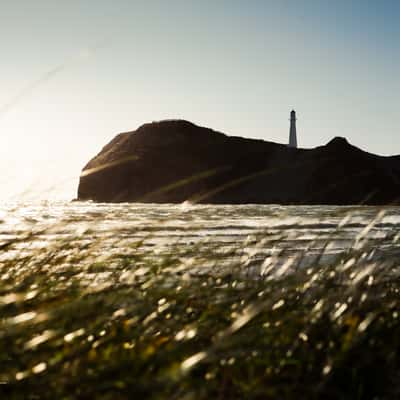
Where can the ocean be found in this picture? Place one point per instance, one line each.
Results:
(229, 234)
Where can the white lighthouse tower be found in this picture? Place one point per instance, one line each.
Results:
(293, 133)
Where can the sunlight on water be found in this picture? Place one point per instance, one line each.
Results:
(298, 230)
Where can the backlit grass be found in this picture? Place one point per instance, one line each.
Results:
(78, 321)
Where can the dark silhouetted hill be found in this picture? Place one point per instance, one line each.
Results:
(174, 161)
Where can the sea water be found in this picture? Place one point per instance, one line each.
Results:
(202, 236)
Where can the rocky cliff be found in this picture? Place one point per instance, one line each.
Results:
(174, 161)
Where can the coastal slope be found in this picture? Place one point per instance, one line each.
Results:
(175, 161)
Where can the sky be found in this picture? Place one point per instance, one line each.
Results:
(75, 73)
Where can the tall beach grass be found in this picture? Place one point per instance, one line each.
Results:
(114, 318)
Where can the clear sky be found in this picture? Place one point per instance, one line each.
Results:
(75, 73)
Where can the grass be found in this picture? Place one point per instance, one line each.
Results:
(79, 322)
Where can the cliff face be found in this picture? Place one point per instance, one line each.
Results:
(175, 161)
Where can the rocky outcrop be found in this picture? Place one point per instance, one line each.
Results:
(174, 161)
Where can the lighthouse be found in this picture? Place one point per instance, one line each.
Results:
(293, 133)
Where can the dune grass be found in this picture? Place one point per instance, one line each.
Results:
(78, 323)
